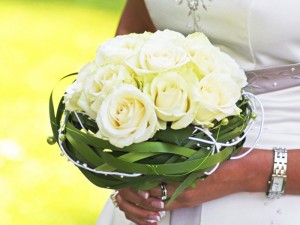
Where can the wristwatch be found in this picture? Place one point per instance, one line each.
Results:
(278, 179)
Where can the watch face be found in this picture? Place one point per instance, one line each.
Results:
(277, 184)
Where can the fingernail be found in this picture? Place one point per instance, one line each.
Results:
(158, 204)
(151, 221)
(153, 218)
(143, 194)
(162, 214)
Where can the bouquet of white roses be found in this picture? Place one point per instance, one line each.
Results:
(153, 107)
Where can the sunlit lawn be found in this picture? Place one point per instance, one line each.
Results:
(39, 43)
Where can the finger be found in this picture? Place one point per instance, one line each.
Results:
(158, 191)
(187, 198)
(141, 199)
(135, 197)
(137, 214)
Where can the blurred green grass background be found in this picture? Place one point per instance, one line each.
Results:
(40, 41)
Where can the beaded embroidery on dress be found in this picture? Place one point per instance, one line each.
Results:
(194, 12)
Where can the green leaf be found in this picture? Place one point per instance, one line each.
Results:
(184, 184)
(176, 137)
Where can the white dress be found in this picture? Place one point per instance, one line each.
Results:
(257, 33)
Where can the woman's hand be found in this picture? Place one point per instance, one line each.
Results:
(139, 206)
(250, 174)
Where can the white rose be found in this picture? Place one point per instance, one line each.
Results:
(217, 98)
(99, 83)
(231, 67)
(203, 54)
(118, 49)
(158, 55)
(71, 97)
(173, 94)
(126, 116)
(74, 91)
(209, 58)
(169, 35)
(197, 40)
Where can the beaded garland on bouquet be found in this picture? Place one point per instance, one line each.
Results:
(151, 108)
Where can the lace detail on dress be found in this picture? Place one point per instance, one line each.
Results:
(194, 12)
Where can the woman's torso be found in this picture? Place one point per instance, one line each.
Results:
(256, 33)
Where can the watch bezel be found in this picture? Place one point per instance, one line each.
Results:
(272, 193)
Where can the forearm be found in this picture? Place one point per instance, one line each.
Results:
(135, 18)
(257, 168)
(248, 174)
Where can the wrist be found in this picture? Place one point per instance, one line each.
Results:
(258, 167)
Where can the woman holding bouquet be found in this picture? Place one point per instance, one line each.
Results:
(257, 34)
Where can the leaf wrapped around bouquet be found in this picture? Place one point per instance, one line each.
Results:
(151, 108)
